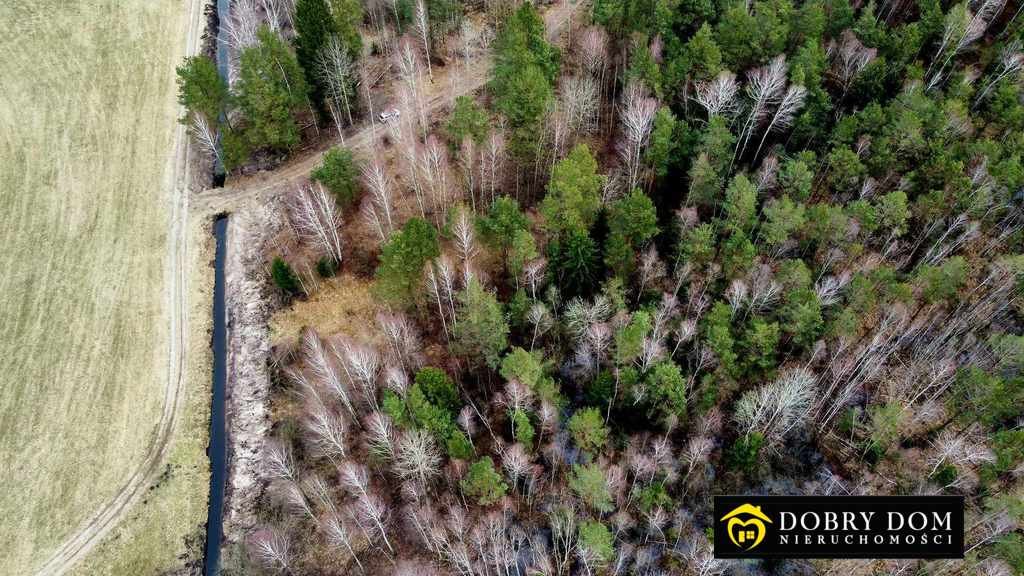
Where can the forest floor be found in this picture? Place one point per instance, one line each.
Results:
(96, 312)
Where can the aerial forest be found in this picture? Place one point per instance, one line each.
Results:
(668, 249)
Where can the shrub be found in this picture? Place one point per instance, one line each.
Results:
(339, 174)
(522, 429)
(284, 278)
(588, 430)
(438, 388)
(458, 446)
(588, 482)
(326, 267)
(483, 483)
(744, 454)
(597, 539)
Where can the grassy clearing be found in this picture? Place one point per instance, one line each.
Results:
(343, 304)
(87, 121)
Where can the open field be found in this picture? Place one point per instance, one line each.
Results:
(93, 314)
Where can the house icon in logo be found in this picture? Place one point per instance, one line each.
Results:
(746, 526)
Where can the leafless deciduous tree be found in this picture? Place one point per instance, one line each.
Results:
(417, 456)
(436, 173)
(579, 103)
(326, 431)
(341, 536)
(278, 13)
(718, 96)
(492, 164)
(317, 219)
(463, 233)
(777, 408)
(361, 363)
(962, 449)
(379, 205)
(467, 161)
(594, 50)
(1011, 63)
(963, 27)
(422, 25)
(324, 371)
(403, 339)
(784, 113)
(271, 548)
(372, 509)
(240, 29)
(278, 460)
(380, 435)
(765, 88)
(205, 136)
(563, 537)
(637, 117)
(849, 57)
(438, 283)
(412, 96)
(290, 498)
(335, 69)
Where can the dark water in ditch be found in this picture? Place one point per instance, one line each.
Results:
(217, 450)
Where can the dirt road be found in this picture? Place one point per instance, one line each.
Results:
(445, 88)
(92, 531)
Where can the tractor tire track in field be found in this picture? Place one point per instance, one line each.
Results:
(78, 544)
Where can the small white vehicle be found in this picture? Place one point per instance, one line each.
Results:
(389, 115)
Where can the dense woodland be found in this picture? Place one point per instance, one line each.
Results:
(692, 248)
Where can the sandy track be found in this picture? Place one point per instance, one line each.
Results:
(92, 531)
(445, 89)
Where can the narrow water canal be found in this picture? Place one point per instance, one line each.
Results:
(218, 448)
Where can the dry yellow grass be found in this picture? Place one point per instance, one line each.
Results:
(87, 124)
(153, 536)
(343, 304)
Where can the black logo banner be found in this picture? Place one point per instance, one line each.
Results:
(839, 527)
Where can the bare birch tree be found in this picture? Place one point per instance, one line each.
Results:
(1011, 63)
(765, 87)
(271, 548)
(379, 205)
(205, 136)
(784, 113)
(718, 96)
(240, 30)
(317, 219)
(637, 118)
(335, 69)
(326, 431)
(339, 535)
(777, 408)
(422, 27)
(579, 103)
(324, 370)
(409, 71)
(492, 165)
(417, 456)
(436, 172)
(849, 57)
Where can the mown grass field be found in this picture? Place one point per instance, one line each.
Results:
(87, 172)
